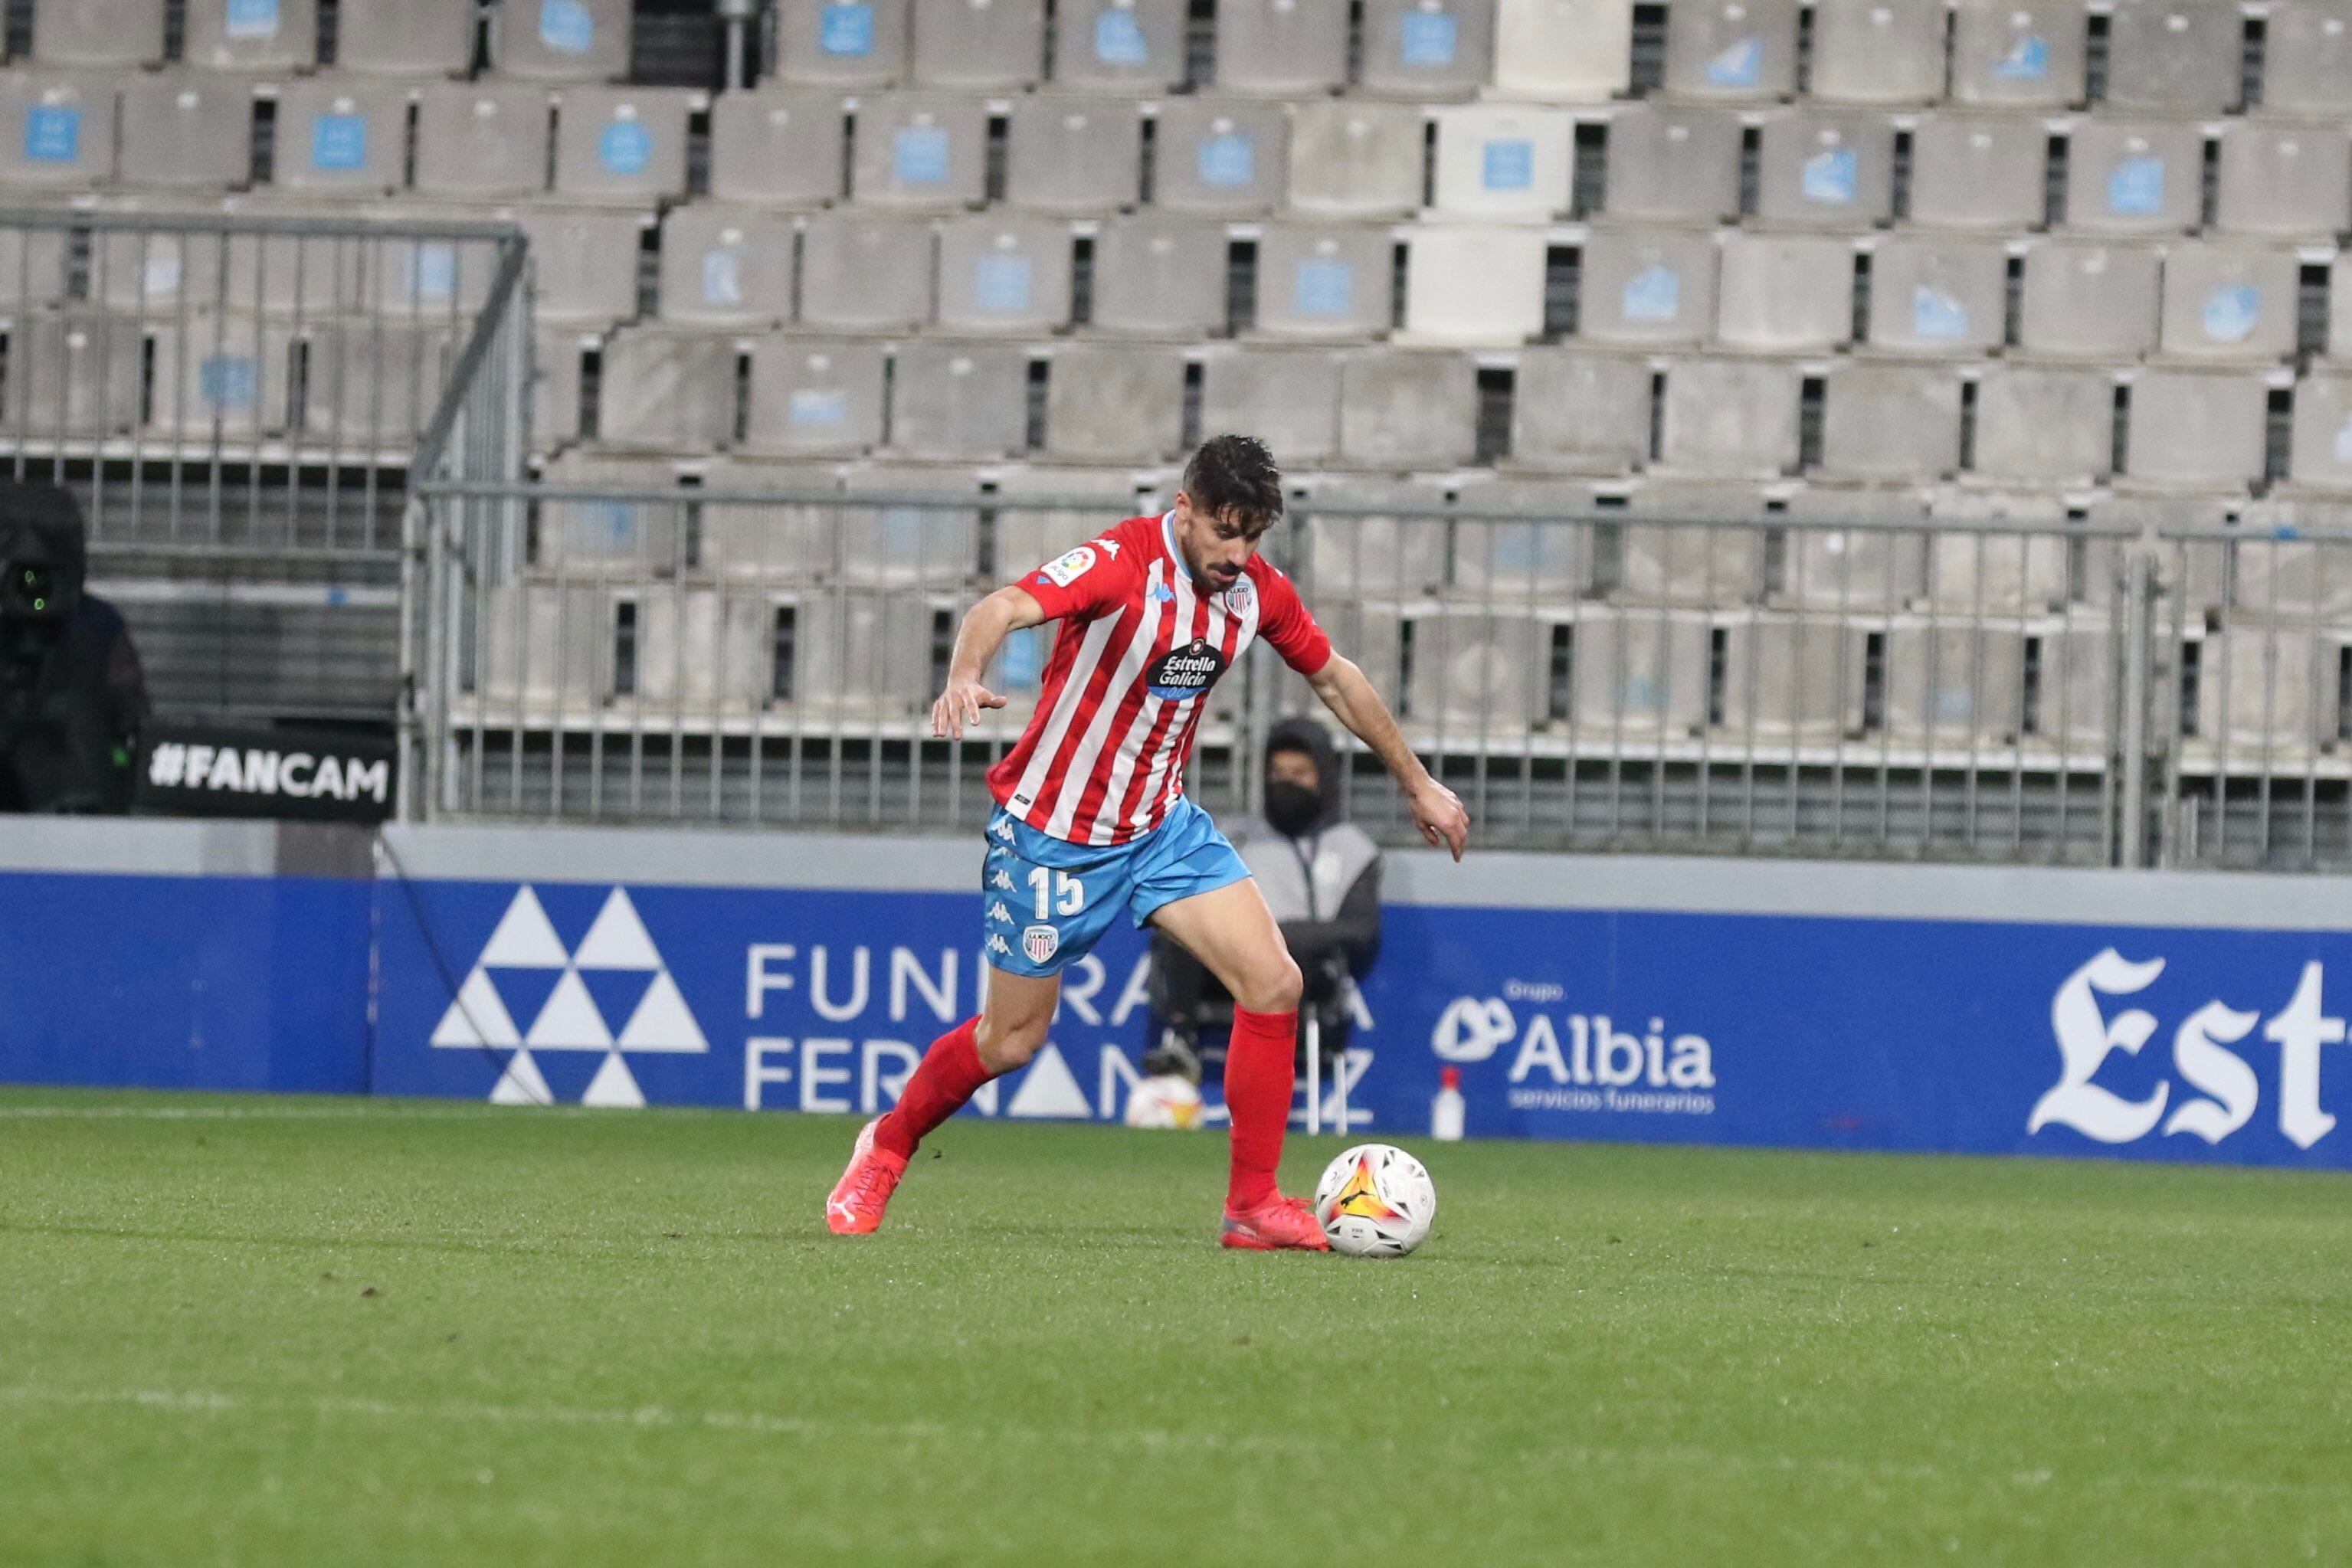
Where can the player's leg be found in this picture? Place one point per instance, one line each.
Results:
(1008, 1030)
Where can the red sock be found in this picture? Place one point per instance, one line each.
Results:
(1259, 1072)
(950, 1074)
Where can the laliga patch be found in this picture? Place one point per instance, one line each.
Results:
(1183, 674)
(1041, 943)
(1067, 570)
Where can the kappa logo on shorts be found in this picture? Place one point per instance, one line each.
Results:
(1184, 672)
(997, 911)
(997, 944)
(1003, 829)
(1040, 942)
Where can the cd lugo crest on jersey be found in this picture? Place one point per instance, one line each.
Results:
(1375, 1201)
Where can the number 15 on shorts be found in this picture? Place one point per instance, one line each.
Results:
(1058, 893)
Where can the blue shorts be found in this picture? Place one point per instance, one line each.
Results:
(1047, 902)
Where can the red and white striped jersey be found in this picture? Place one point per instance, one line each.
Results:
(1104, 755)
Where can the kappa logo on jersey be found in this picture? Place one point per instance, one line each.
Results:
(997, 911)
(1109, 547)
(1041, 943)
(1184, 672)
(1067, 570)
(1001, 880)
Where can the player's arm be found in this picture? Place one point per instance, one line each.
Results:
(1437, 809)
(985, 627)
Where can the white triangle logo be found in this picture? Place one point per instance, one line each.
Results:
(570, 1020)
(613, 1087)
(476, 1018)
(521, 1084)
(1049, 1090)
(618, 940)
(662, 1023)
(525, 938)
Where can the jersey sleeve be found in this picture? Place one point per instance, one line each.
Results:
(1290, 626)
(1082, 582)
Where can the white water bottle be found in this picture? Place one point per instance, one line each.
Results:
(1445, 1111)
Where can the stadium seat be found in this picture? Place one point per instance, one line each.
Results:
(2268, 691)
(779, 147)
(2339, 308)
(1934, 296)
(1352, 547)
(1644, 287)
(1157, 277)
(1107, 402)
(1226, 157)
(1402, 409)
(77, 34)
(984, 44)
(2133, 177)
(2045, 426)
(925, 150)
(251, 34)
(1471, 673)
(433, 281)
(1638, 674)
(1427, 48)
(557, 361)
(2197, 428)
(584, 264)
(959, 400)
(184, 130)
(1503, 162)
(2284, 180)
(814, 397)
(74, 374)
(2018, 54)
(1948, 684)
(131, 269)
(862, 44)
(1708, 551)
(1785, 293)
(1730, 417)
(2321, 453)
(1289, 398)
(1667, 163)
(368, 385)
(1074, 156)
(667, 390)
(1474, 286)
(1787, 678)
(2279, 573)
(287, 274)
(1853, 568)
(1878, 51)
(56, 131)
(2308, 58)
(896, 542)
(2173, 56)
(865, 274)
(1740, 49)
(1324, 280)
(1003, 274)
(1514, 541)
(340, 137)
(1285, 47)
(1825, 169)
(797, 540)
(547, 649)
(1119, 44)
(621, 144)
(726, 266)
(1354, 159)
(2226, 302)
(2088, 301)
(1563, 51)
(218, 374)
(405, 37)
(481, 139)
(1032, 529)
(1890, 422)
(2018, 564)
(1972, 171)
(1575, 411)
(562, 40)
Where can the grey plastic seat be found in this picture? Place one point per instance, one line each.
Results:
(2173, 56)
(1788, 679)
(1708, 551)
(1221, 156)
(1003, 274)
(1350, 158)
(1670, 164)
(726, 266)
(430, 280)
(1854, 568)
(1324, 280)
(1562, 51)
(251, 34)
(1527, 547)
(562, 40)
(56, 131)
(1947, 685)
(1157, 277)
(77, 33)
(1288, 398)
(1647, 288)
(1637, 676)
(132, 269)
(2045, 425)
(1575, 411)
(1473, 286)
(1114, 403)
(1427, 48)
(73, 374)
(2279, 576)
(997, 44)
(2089, 301)
(1825, 169)
(926, 150)
(1469, 673)
(796, 541)
(2133, 177)
(184, 130)
(1137, 45)
(342, 137)
(2197, 428)
(1785, 293)
(1890, 422)
(1878, 51)
(1937, 296)
(584, 264)
(959, 400)
(621, 144)
(2268, 691)
(865, 274)
(218, 374)
(1978, 172)
(2017, 54)
(371, 385)
(1074, 156)
(1503, 161)
(2321, 453)
(1281, 46)
(1743, 49)
(2284, 179)
(813, 398)
(779, 147)
(667, 390)
(2308, 58)
(1730, 417)
(862, 44)
(2339, 308)
(546, 648)
(481, 139)
(558, 362)
(1371, 553)
(405, 38)
(1404, 409)
(2229, 303)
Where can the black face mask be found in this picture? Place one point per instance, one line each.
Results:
(1291, 808)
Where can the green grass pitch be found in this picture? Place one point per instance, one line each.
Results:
(309, 1331)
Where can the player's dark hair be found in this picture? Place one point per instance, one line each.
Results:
(1235, 474)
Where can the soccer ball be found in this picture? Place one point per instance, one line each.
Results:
(1167, 1100)
(1375, 1201)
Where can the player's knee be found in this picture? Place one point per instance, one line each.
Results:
(1277, 989)
(1004, 1046)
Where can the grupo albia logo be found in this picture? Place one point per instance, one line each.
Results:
(1576, 1061)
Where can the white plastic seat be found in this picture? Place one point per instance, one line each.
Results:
(1406, 408)
(2284, 180)
(1579, 413)
(959, 400)
(1221, 156)
(1890, 422)
(1646, 287)
(1937, 296)
(2048, 426)
(1978, 172)
(584, 264)
(920, 150)
(1826, 170)
(2197, 428)
(1563, 51)
(1073, 155)
(995, 44)
(862, 273)
(1110, 45)
(560, 40)
(778, 147)
(2173, 56)
(726, 266)
(2308, 58)
(1285, 47)
(1730, 417)
(1114, 403)
(251, 34)
(405, 38)
(340, 137)
(56, 131)
(1324, 280)
(1469, 284)
(2133, 177)
(1740, 49)
(1003, 274)
(1427, 48)
(1785, 293)
(1502, 161)
(621, 144)
(1669, 163)
(104, 33)
(2229, 303)
(814, 397)
(2089, 301)
(2017, 54)
(1157, 277)
(1289, 398)
(185, 131)
(859, 45)
(481, 139)
(1878, 51)
(667, 390)
(75, 374)
(1350, 158)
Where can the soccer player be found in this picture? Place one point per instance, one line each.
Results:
(1092, 818)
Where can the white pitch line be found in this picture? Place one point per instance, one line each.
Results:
(377, 1112)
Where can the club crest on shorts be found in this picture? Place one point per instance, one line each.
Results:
(1041, 943)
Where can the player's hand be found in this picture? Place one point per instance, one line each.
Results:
(1438, 813)
(959, 707)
